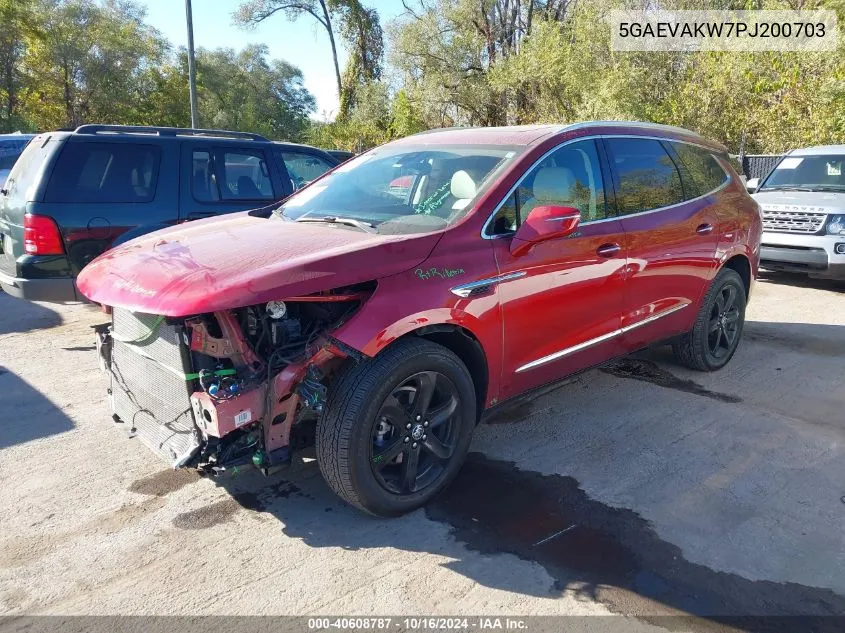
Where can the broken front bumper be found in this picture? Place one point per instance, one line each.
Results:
(157, 395)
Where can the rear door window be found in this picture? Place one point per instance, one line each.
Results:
(647, 176)
(245, 176)
(204, 179)
(706, 172)
(105, 173)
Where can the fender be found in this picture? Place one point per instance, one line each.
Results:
(404, 302)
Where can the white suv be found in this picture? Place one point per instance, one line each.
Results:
(803, 203)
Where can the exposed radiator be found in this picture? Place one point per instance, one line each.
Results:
(150, 393)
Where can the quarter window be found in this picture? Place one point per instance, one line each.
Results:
(648, 177)
(706, 172)
(303, 168)
(105, 172)
(569, 177)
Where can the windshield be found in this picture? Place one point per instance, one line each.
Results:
(808, 173)
(401, 190)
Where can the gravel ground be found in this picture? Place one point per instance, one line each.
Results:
(638, 488)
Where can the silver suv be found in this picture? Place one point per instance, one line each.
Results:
(803, 203)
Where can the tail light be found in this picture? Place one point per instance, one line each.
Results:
(41, 236)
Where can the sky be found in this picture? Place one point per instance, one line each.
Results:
(303, 43)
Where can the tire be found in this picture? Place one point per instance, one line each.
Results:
(715, 336)
(371, 410)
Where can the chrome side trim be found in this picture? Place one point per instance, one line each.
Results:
(599, 339)
(654, 317)
(465, 290)
(485, 235)
(568, 351)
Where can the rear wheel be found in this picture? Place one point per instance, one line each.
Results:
(712, 341)
(396, 428)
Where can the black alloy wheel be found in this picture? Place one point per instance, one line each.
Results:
(723, 327)
(717, 330)
(415, 433)
(396, 428)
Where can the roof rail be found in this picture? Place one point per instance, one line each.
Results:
(164, 131)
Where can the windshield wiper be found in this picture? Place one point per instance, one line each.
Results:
(786, 188)
(367, 227)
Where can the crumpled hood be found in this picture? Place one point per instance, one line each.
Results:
(819, 201)
(239, 260)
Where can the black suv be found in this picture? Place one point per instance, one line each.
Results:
(73, 195)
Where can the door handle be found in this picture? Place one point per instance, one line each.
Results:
(704, 229)
(608, 250)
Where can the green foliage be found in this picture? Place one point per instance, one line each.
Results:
(554, 63)
(87, 63)
(243, 91)
(362, 32)
(68, 62)
(450, 62)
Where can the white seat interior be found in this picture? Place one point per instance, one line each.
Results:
(463, 188)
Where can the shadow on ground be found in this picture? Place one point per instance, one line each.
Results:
(601, 552)
(17, 315)
(801, 281)
(25, 414)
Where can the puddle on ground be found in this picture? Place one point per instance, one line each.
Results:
(647, 371)
(164, 482)
(260, 500)
(608, 553)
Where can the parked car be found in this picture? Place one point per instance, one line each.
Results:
(803, 202)
(11, 146)
(397, 297)
(73, 195)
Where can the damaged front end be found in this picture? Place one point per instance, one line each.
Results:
(222, 390)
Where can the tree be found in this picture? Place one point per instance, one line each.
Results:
(361, 29)
(18, 24)
(253, 12)
(359, 26)
(244, 91)
(89, 62)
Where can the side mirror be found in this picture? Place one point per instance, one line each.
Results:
(751, 185)
(546, 222)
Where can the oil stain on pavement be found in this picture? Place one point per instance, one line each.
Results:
(164, 482)
(610, 554)
(647, 371)
(207, 516)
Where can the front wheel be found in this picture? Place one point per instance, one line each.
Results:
(712, 341)
(397, 427)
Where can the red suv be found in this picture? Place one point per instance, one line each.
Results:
(388, 303)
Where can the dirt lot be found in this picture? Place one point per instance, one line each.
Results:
(638, 488)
